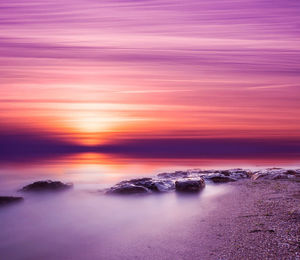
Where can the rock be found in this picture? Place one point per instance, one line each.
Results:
(46, 186)
(224, 176)
(5, 200)
(239, 174)
(293, 172)
(165, 185)
(276, 174)
(221, 179)
(142, 185)
(127, 189)
(225, 173)
(189, 185)
(144, 182)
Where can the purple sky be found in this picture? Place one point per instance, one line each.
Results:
(95, 72)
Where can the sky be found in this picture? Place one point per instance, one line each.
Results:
(95, 73)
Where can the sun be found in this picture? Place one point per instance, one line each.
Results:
(89, 123)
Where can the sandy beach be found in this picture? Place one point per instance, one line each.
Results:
(256, 220)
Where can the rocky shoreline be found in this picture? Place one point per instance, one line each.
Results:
(194, 180)
(190, 181)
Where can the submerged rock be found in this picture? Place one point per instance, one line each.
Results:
(189, 185)
(47, 186)
(6, 200)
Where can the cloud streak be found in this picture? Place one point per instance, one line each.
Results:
(106, 70)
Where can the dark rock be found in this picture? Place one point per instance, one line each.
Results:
(189, 185)
(144, 182)
(5, 200)
(127, 189)
(47, 186)
(291, 172)
(142, 185)
(225, 173)
(221, 179)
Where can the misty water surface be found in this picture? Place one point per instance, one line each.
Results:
(83, 223)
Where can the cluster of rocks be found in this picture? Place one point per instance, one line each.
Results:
(194, 180)
(39, 186)
(181, 181)
(190, 181)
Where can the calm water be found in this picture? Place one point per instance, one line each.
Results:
(85, 224)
